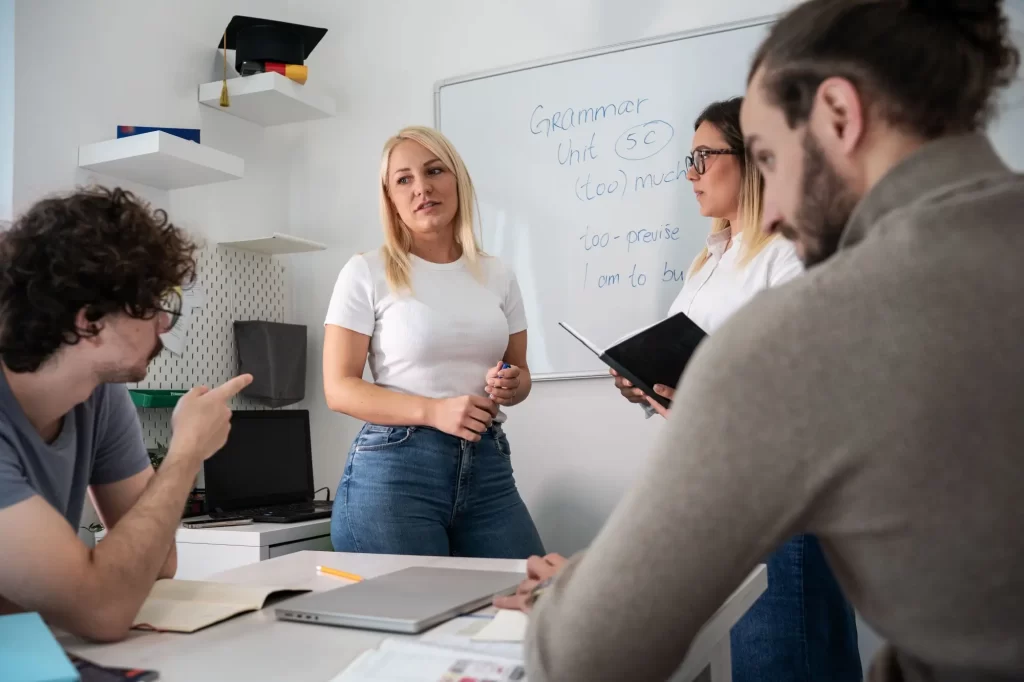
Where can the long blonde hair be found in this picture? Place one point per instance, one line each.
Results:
(397, 240)
(725, 117)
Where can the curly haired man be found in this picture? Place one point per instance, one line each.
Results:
(88, 283)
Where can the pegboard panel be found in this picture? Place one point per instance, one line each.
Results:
(239, 285)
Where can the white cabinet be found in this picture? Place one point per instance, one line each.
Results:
(205, 551)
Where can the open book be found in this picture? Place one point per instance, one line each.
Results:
(653, 355)
(190, 605)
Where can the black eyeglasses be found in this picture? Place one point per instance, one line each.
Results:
(698, 161)
(171, 304)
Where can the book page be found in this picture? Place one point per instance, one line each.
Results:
(189, 605)
(204, 591)
(183, 616)
(637, 332)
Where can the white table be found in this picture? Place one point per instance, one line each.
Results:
(256, 646)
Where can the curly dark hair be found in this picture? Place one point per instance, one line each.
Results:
(98, 249)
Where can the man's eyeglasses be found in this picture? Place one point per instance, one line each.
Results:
(171, 304)
(698, 161)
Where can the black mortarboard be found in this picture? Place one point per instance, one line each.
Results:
(266, 40)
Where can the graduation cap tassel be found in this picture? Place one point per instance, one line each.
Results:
(224, 101)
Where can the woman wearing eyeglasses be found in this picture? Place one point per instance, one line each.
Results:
(802, 628)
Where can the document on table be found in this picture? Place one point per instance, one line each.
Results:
(405, 661)
(460, 634)
(506, 626)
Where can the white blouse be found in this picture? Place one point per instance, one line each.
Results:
(722, 285)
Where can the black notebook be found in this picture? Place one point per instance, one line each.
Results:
(653, 355)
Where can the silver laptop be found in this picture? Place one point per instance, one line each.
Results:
(407, 601)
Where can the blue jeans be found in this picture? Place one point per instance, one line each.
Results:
(417, 490)
(801, 629)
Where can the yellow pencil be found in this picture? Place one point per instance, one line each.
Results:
(341, 574)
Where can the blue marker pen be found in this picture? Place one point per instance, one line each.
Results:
(504, 365)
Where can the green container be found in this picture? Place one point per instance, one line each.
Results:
(151, 397)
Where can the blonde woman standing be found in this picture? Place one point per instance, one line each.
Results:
(443, 327)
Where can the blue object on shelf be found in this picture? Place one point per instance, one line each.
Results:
(190, 134)
(30, 653)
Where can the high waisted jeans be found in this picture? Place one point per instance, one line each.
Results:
(801, 629)
(417, 490)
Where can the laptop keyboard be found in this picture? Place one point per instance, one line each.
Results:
(275, 510)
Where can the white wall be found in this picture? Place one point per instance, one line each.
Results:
(87, 67)
(6, 107)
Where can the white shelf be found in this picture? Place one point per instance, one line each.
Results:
(268, 99)
(276, 243)
(160, 160)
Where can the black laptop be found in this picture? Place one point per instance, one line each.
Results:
(265, 470)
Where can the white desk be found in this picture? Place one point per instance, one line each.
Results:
(202, 552)
(256, 646)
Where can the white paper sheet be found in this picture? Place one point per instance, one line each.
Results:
(404, 661)
(506, 626)
(459, 634)
(174, 339)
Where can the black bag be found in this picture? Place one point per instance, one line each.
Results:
(274, 354)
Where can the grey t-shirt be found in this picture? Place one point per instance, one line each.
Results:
(99, 442)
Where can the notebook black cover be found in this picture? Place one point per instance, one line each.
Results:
(654, 355)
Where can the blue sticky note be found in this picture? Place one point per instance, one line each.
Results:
(30, 653)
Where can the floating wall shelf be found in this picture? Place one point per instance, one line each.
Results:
(276, 243)
(268, 99)
(160, 160)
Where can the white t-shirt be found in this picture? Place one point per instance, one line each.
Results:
(722, 286)
(441, 340)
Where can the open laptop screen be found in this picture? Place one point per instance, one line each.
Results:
(267, 460)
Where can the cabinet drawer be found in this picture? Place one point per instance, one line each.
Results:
(320, 544)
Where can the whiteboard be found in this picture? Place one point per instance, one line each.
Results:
(578, 166)
(579, 169)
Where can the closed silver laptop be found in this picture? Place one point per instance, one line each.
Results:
(407, 601)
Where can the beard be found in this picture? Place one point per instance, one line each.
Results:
(826, 205)
(131, 374)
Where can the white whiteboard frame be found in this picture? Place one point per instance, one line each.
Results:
(586, 54)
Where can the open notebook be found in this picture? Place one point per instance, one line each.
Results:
(653, 355)
(190, 605)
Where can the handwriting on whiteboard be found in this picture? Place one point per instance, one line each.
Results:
(638, 142)
(630, 240)
(610, 151)
(543, 123)
(633, 276)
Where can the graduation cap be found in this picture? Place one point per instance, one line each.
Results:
(266, 40)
